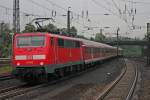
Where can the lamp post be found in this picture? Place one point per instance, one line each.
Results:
(68, 21)
(118, 40)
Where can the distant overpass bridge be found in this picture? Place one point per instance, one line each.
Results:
(140, 43)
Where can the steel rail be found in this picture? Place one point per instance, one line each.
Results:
(130, 94)
(112, 85)
(15, 91)
(2, 78)
(21, 91)
(12, 92)
(9, 89)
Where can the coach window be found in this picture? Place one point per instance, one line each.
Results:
(104, 50)
(60, 42)
(70, 44)
(87, 50)
(98, 50)
(95, 50)
(77, 44)
(73, 44)
(101, 50)
(90, 50)
(67, 43)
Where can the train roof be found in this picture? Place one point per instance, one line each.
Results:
(95, 44)
(84, 41)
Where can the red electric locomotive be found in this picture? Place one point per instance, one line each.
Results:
(38, 56)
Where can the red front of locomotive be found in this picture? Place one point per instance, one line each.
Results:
(30, 55)
(30, 50)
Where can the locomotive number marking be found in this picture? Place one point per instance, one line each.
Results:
(29, 57)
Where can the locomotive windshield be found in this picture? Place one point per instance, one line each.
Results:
(23, 41)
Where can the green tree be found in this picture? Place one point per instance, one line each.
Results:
(92, 39)
(81, 36)
(5, 46)
(50, 28)
(29, 28)
(73, 31)
(5, 29)
(63, 31)
(99, 37)
(145, 37)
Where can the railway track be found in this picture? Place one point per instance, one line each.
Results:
(5, 61)
(123, 87)
(20, 90)
(9, 89)
(3, 78)
(13, 92)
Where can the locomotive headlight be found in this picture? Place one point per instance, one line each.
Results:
(18, 64)
(41, 63)
(20, 57)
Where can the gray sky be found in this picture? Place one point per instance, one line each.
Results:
(119, 14)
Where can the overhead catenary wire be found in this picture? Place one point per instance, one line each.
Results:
(23, 12)
(42, 6)
(39, 5)
(60, 7)
(104, 7)
(118, 8)
(54, 4)
(109, 10)
(139, 2)
(108, 3)
(123, 14)
(49, 9)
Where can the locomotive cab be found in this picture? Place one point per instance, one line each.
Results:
(29, 55)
